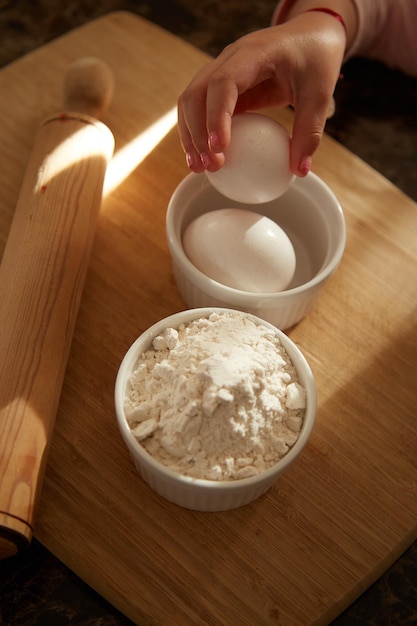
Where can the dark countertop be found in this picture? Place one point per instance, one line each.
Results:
(376, 115)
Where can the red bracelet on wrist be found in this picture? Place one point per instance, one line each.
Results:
(329, 12)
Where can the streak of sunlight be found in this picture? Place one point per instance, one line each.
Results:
(80, 144)
(129, 157)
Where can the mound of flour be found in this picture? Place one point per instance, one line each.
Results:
(217, 398)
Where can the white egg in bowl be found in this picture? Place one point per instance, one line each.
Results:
(241, 249)
(311, 217)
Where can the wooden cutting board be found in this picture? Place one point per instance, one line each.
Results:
(348, 507)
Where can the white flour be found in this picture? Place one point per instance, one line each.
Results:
(217, 398)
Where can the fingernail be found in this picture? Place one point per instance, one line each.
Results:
(214, 142)
(190, 159)
(305, 165)
(205, 159)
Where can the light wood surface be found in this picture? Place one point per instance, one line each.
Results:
(348, 507)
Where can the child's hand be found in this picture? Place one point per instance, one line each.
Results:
(296, 63)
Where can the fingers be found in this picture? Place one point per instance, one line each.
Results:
(205, 110)
(192, 154)
(206, 107)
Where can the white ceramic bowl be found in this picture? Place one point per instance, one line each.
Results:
(199, 494)
(308, 212)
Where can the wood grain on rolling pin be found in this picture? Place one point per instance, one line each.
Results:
(41, 280)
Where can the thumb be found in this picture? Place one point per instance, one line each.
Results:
(308, 128)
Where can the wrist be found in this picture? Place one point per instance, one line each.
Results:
(342, 11)
(330, 12)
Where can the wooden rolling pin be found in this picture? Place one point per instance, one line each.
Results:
(41, 280)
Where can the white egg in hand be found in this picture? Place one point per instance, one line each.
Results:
(257, 161)
(241, 249)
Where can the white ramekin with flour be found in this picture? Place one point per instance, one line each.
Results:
(213, 405)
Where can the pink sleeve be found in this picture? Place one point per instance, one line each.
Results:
(386, 31)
